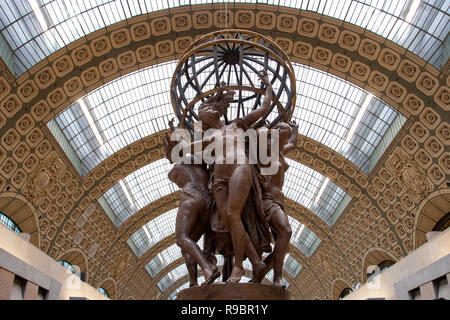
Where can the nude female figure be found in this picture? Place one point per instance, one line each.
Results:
(193, 214)
(273, 199)
(233, 181)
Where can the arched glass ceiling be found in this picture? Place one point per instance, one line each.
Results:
(154, 231)
(35, 29)
(302, 238)
(139, 189)
(330, 110)
(124, 110)
(313, 191)
(341, 115)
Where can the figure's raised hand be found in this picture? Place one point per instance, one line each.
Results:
(262, 75)
(172, 127)
(294, 125)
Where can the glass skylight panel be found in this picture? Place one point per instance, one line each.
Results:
(171, 277)
(327, 108)
(145, 185)
(292, 266)
(36, 29)
(163, 259)
(312, 190)
(123, 111)
(302, 238)
(154, 231)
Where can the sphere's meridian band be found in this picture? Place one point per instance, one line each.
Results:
(242, 52)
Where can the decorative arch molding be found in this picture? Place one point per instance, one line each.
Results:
(23, 213)
(373, 257)
(76, 257)
(350, 52)
(430, 211)
(109, 285)
(338, 286)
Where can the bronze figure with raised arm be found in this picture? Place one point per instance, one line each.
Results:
(193, 213)
(233, 180)
(273, 200)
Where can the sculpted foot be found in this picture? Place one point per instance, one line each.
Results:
(277, 282)
(258, 272)
(236, 275)
(211, 274)
(193, 284)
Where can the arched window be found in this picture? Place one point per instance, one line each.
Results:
(9, 223)
(443, 223)
(66, 264)
(103, 291)
(345, 292)
(383, 265)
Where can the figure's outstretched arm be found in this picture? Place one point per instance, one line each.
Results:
(174, 136)
(292, 143)
(258, 113)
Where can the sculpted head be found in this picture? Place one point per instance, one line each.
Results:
(284, 131)
(209, 114)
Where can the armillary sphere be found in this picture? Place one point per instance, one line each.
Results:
(232, 59)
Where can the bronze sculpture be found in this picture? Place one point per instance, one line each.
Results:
(243, 202)
(193, 214)
(273, 200)
(237, 201)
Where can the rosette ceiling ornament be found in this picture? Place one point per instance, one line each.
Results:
(232, 59)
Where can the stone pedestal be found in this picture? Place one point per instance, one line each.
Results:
(234, 291)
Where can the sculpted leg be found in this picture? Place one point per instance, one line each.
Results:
(202, 227)
(192, 269)
(187, 218)
(238, 189)
(258, 265)
(280, 223)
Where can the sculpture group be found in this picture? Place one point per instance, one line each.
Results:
(237, 208)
